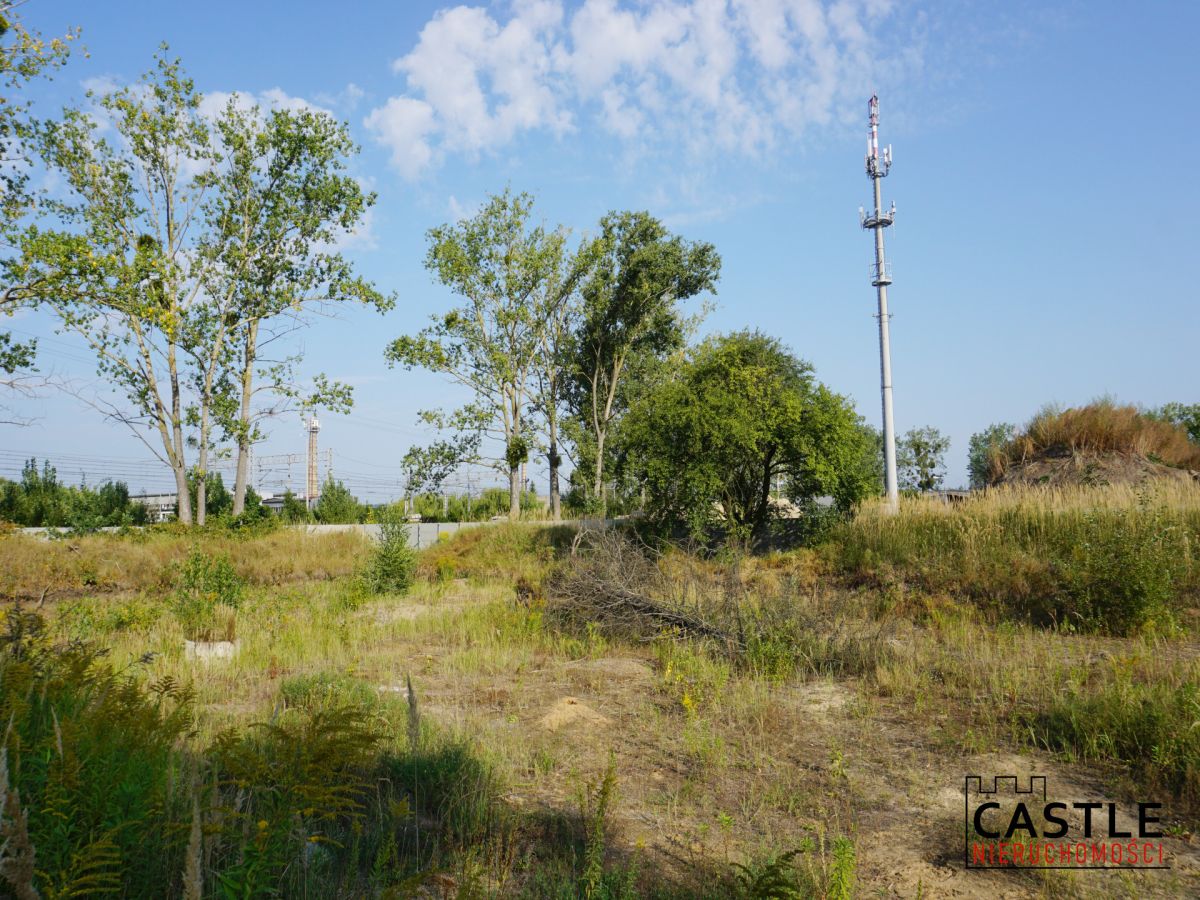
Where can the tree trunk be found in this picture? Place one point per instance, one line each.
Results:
(243, 459)
(553, 460)
(201, 492)
(598, 491)
(202, 462)
(184, 501)
(514, 493)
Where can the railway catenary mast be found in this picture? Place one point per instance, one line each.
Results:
(881, 276)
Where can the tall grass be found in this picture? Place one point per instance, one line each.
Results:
(508, 551)
(1112, 559)
(31, 568)
(1141, 713)
(1099, 428)
(108, 790)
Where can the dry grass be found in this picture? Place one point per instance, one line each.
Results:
(1113, 558)
(1100, 428)
(892, 693)
(31, 568)
(505, 551)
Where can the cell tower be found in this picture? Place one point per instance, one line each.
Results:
(881, 276)
(310, 493)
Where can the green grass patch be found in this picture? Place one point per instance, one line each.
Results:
(510, 551)
(1086, 565)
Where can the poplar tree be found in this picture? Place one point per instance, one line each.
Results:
(630, 313)
(177, 238)
(24, 57)
(286, 193)
(499, 264)
(125, 269)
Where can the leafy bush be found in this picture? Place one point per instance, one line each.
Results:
(741, 414)
(813, 870)
(1122, 576)
(393, 564)
(321, 690)
(285, 792)
(207, 593)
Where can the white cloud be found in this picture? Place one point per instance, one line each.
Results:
(485, 81)
(212, 103)
(346, 100)
(709, 75)
(404, 125)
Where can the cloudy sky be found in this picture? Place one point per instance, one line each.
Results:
(1042, 252)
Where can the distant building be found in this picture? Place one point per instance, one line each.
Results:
(160, 507)
(274, 502)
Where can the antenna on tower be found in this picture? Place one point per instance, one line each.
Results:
(878, 166)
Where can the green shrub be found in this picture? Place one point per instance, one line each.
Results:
(813, 870)
(393, 564)
(321, 690)
(287, 790)
(207, 593)
(1121, 575)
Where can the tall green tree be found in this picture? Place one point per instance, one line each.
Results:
(630, 315)
(177, 240)
(336, 505)
(40, 499)
(24, 57)
(921, 459)
(557, 313)
(285, 190)
(499, 264)
(982, 450)
(742, 416)
(126, 268)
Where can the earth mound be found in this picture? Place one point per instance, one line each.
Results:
(1071, 469)
(1098, 444)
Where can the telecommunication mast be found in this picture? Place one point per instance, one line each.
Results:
(881, 276)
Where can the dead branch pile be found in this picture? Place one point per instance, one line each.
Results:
(615, 582)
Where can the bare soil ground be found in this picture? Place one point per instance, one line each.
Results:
(1073, 469)
(772, 764)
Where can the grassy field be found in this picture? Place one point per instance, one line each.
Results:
(616, 723)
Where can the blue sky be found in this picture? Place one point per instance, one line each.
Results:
(1043, 248)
